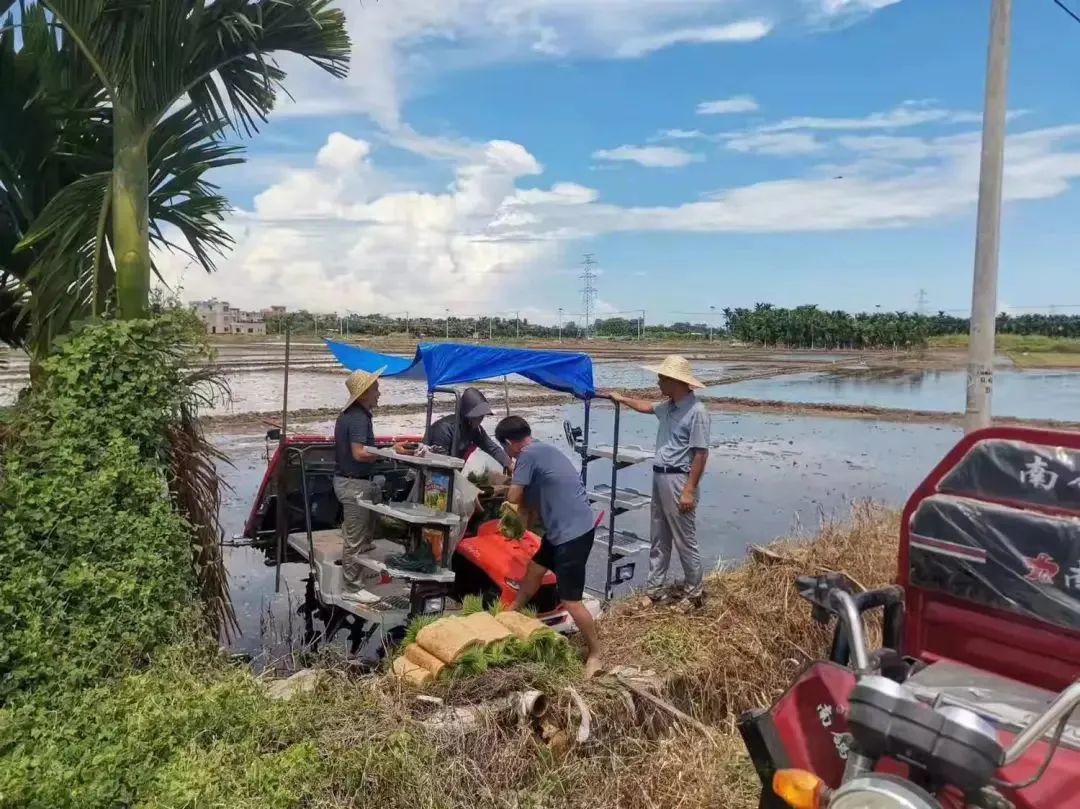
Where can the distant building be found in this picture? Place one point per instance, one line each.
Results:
(220, 318)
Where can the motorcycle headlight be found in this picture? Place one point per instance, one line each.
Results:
(881, 792)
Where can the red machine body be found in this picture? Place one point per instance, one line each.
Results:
(486, 562)
(989, 565)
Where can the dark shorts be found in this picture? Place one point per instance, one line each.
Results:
(567, 562)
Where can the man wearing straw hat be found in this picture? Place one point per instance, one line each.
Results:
(682, 446)
(353, 468)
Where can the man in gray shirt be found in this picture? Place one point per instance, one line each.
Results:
(545, 481)
(682, 447)
(354, 464)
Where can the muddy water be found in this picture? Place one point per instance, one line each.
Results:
(260, 391)
(1017, 394)
(767, 476)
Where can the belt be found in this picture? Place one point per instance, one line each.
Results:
(670, 470)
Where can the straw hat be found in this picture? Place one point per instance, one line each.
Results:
(358, 383)
(676, 367)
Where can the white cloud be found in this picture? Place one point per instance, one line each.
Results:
(727, 106)
(399, 47)
(742, 31)
(649, 156)
(678, 134)
(560, 194)
(836, 7)
(908, 114)
(338, 235)
(774, 143)
(343, 153)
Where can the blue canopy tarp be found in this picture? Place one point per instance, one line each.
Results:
(446, 364)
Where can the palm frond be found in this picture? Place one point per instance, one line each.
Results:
(62, 240)
(230, 77)
(195, 489)
(149, 54)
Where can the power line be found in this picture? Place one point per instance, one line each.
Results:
(1066, 9)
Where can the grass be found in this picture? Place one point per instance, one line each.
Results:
(193, 730)
(1019, 343)
(1045, 360)
(755, 633)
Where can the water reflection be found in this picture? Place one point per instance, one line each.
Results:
(1019, 394)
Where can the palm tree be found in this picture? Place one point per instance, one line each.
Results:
(151, 55)
(55, 163)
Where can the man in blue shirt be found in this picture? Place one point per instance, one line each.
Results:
(545, 481)
(682, 447)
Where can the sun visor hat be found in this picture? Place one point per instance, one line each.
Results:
(474, 405)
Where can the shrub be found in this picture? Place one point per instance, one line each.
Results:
(97, 563)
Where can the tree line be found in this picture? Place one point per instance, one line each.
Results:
(811, 327)
(496, 328)
(765, 324)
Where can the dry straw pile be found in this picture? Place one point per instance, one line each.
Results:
(742, 650)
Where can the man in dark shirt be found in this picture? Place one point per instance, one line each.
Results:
(468, 430)
(354, 435)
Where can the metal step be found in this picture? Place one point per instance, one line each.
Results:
(626, 499)
(627, 455)
(627, 543)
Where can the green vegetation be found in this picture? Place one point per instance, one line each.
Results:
(1033, 343)
(117, 110)
(101, 567)
(498, 329)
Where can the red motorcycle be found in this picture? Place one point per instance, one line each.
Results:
(972, 700)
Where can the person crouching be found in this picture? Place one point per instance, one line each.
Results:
(545, 481)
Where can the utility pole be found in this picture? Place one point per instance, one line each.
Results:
(980, 372)
(712, 316)
(517, 325)
(588, 289)
(921, 308)
(560, 324)
(447, 324)
(641, 326)
(491, 321)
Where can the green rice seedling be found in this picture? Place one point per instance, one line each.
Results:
(501, 653)
(417, 623)
(471, 664)
(548, 648)
(511, 525)
(528, 612)
(472, 604)
(481, 479)
(497, 606)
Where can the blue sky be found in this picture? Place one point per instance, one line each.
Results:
(708, 152)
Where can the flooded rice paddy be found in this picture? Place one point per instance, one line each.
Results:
(1017, 394)
(768, 476)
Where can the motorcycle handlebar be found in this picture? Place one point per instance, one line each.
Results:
(1059, 710)
(848, 612)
